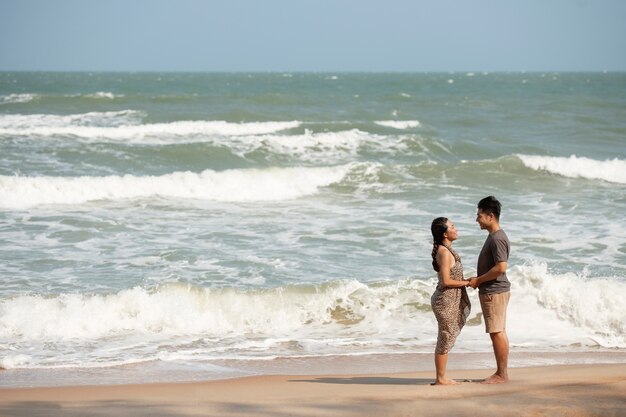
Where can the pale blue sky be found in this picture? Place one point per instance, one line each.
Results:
(322, 35)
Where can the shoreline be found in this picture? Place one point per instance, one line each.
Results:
(563, 390)
(155, 372)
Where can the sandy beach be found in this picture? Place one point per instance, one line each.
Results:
(577, 390)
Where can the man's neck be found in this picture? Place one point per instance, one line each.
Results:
(492, 228)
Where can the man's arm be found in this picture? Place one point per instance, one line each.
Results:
(493, 273)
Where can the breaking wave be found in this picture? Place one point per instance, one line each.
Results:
(117, 126)
(237, 185)
(332, 318)
(612, 170)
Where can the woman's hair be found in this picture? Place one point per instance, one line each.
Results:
(438, 227)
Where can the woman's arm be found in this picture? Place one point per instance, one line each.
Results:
(444, 259)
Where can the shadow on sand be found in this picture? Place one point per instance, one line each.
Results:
(368, 380)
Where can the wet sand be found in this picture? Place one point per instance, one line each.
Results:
(575, 391)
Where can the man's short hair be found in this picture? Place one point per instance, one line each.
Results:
(490, 205)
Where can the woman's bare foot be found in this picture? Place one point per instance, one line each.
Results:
(445, 382)
(496, 379)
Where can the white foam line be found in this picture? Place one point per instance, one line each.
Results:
(611, 170)
(72, 126)
(232, 185)
(398, 124)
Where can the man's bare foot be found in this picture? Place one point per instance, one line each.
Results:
(445, 382)
(496, 379)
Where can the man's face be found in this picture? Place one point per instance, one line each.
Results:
(483, 219)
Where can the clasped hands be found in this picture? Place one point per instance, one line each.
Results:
(473, 282)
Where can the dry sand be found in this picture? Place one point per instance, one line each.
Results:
(573, 391)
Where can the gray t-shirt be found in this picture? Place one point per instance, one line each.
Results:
(496, 249)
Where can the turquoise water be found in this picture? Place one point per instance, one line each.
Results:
(194, 218)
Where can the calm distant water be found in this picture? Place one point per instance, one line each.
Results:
(190, 218)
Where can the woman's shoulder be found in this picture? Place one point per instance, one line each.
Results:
(444, 251)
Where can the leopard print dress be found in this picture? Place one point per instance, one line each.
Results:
(451, 307)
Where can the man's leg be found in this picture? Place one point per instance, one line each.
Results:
(494, 311)
(500, 343)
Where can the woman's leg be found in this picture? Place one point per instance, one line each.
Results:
(441, 361)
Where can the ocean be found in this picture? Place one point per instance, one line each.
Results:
(209, 225)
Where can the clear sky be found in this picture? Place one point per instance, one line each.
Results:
(313, 35)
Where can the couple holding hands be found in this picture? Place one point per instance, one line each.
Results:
(450, 302)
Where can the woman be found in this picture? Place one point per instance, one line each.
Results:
(450, 302)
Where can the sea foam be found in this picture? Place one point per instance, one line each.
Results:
(26, 124)
(593, 304)
(184, 309)
(232, 185)
(124, 125)
(547, 311)
(398, 124)
(105, 94)
(17, 98)
(611, 170)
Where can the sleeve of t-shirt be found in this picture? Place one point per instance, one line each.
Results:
(500, 250)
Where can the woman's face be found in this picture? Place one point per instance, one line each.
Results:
(451, 234)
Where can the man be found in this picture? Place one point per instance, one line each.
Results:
(494, 286)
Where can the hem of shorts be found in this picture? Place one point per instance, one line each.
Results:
(492, 293)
